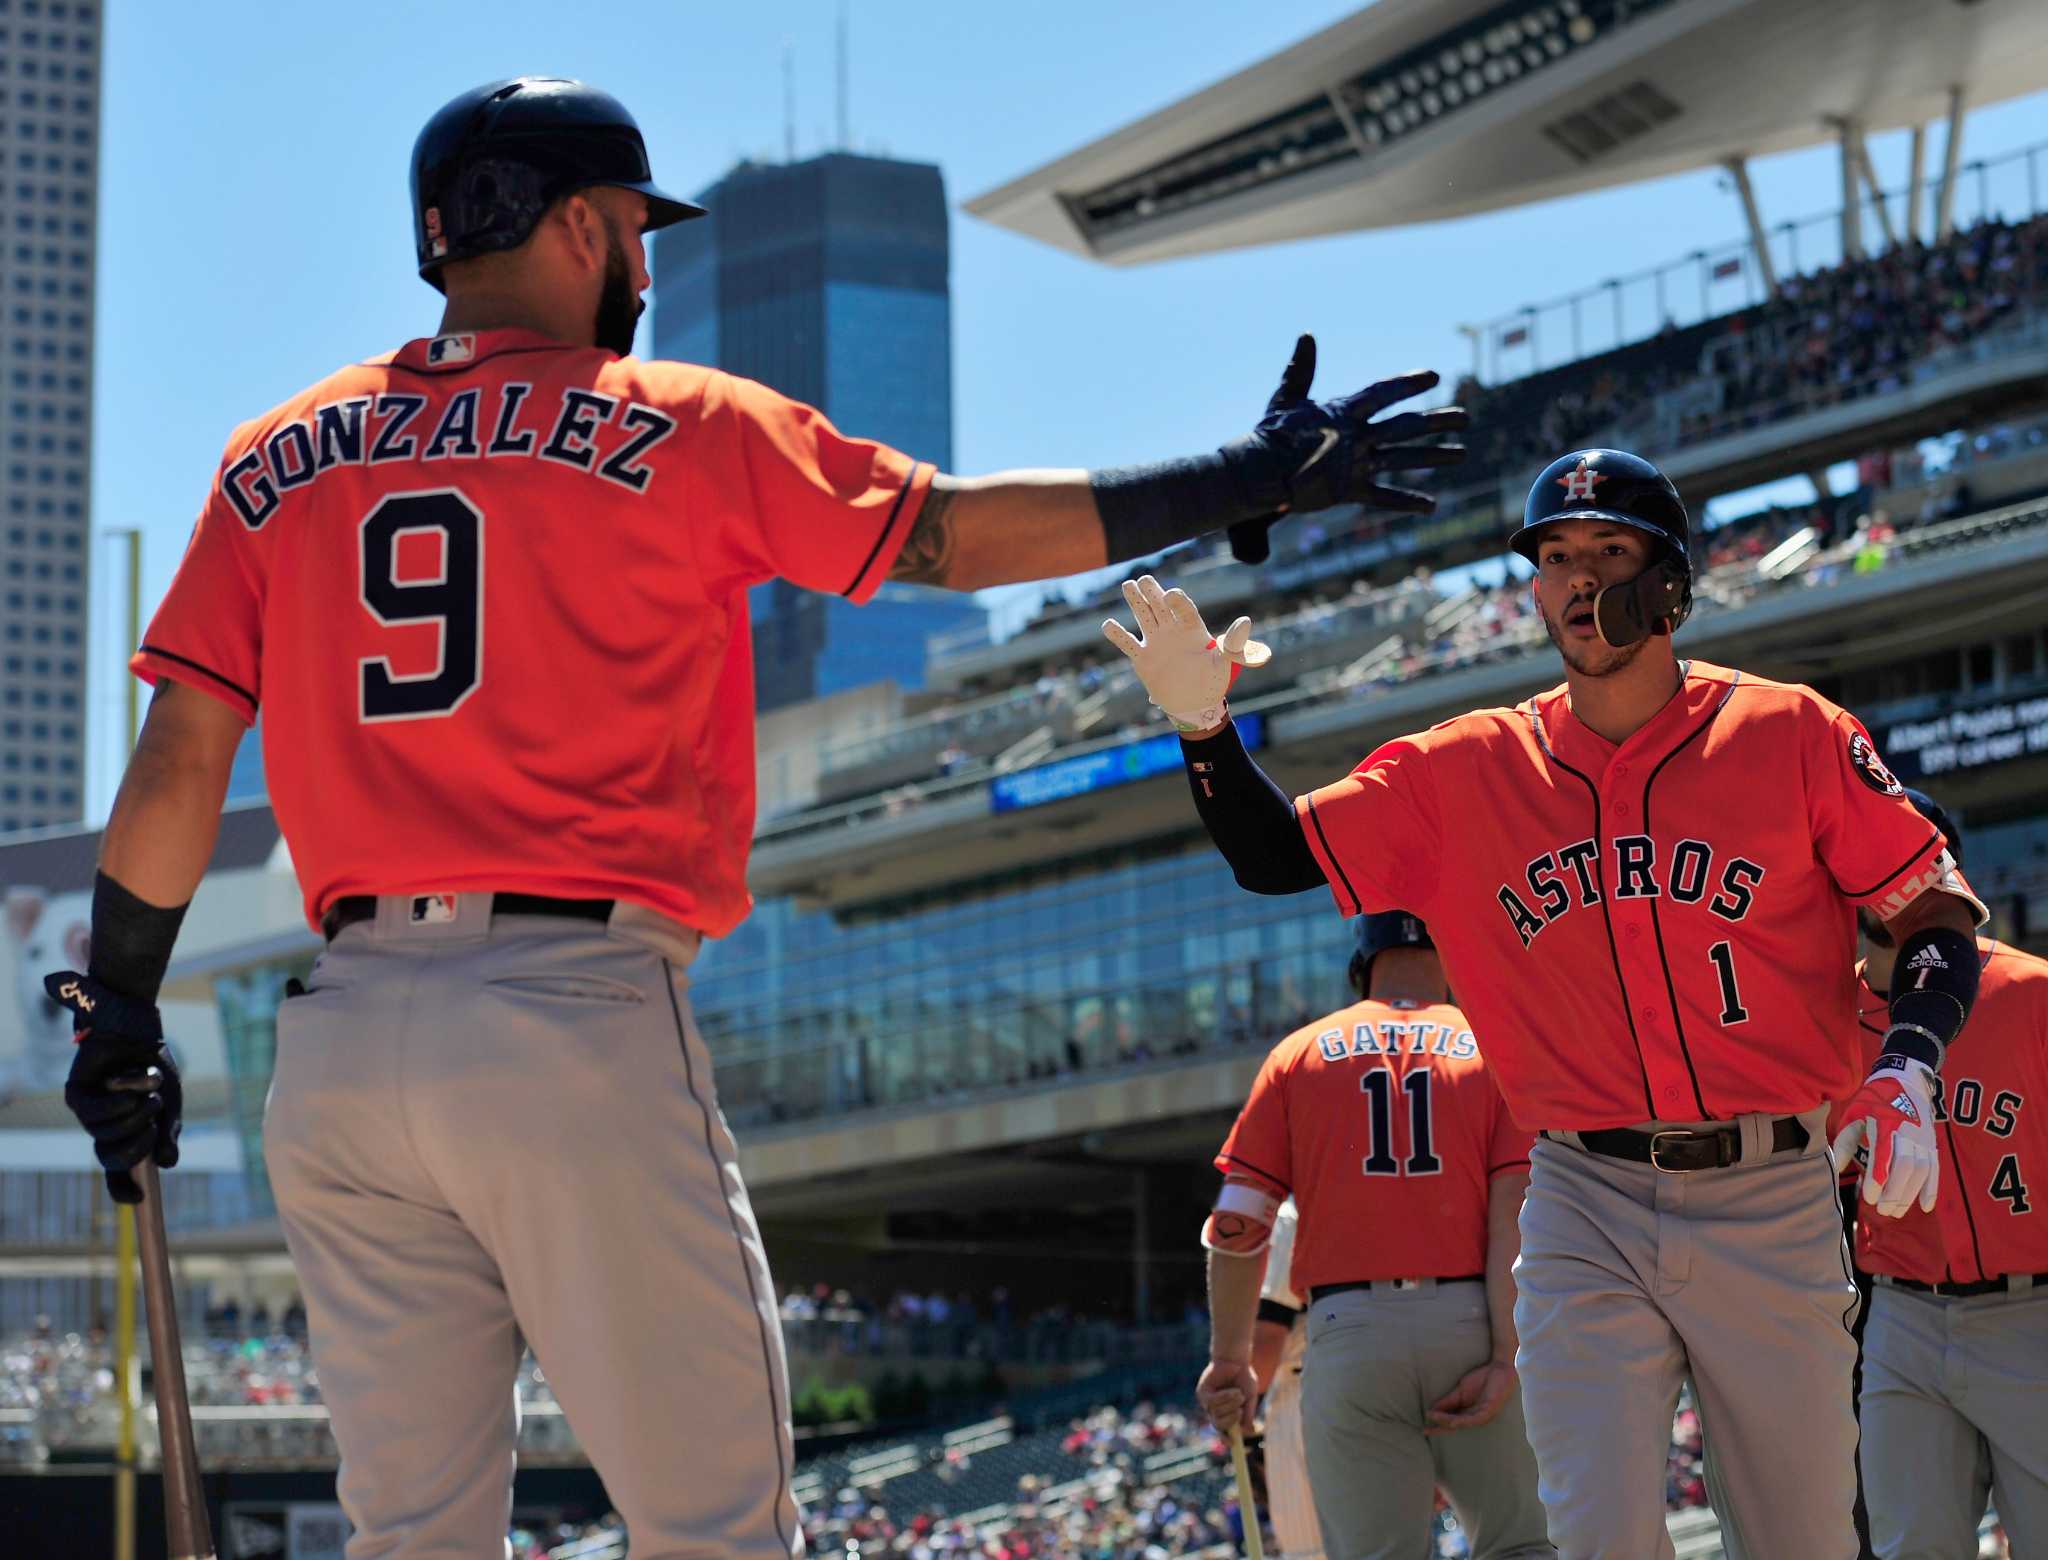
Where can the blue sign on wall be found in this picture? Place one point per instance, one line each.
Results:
(1086, 772)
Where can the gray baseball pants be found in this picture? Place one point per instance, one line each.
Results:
(1629, 1281)
(489, 1133)
(1955, 1408)
(1377, 1360)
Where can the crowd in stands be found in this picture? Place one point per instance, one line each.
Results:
(1148, 1480)
(1832, 335)
(826, 1319)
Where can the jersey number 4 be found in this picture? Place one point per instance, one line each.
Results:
(1379, 1094)
(444, 587)
(2007, 1186)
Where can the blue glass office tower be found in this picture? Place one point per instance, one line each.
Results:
(826, 279)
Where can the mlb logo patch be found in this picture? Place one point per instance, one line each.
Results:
(433, 909)
(451, 349)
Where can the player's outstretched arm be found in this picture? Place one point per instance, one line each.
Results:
(1302, 456)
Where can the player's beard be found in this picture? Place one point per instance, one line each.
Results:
(618, 310)
(1589, 657)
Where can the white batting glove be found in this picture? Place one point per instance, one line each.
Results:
(1893, 1116)
(1186, 670)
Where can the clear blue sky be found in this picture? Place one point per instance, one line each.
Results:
(255, 232)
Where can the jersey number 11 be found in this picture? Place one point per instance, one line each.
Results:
(1379, 1093)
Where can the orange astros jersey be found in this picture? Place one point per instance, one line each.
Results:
(1992, 1123)
(1383, 1122)
(489, 595)
(1656, 931)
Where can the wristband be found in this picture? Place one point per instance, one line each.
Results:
(1911, 1043)
(131, 940)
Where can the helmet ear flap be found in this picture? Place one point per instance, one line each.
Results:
(1656, 601)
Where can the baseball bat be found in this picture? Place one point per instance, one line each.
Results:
(186, 1526)
(1247, 1508)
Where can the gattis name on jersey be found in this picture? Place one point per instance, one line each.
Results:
(1393, 1038)
(584, 430)
(1571, 878)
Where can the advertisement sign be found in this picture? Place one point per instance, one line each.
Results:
(1972, 737)
(1087, 772)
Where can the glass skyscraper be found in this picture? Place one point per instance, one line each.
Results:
(827, 280)
(49, 202)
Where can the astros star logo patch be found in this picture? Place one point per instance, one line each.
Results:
(1580, 483)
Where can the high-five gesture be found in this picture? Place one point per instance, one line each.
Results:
(1186, 670)
(1307, 455)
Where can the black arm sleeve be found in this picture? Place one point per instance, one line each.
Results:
(1249, 817)
(1934, 986)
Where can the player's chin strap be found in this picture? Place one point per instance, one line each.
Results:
(1654, 602)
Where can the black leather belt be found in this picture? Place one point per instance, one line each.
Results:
(1714, 1148)
(1983, 1286)
(1324, 1291)
(363, 907)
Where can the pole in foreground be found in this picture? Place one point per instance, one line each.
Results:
(1247, 1508)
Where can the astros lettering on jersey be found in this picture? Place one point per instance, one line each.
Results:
(1376, 1093)
(675, 487)
(1991, 1119)
(1647, 946)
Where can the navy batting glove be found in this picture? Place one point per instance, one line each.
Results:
(119, 1041)
(1308, 455)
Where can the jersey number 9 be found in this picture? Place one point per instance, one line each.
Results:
(451, 598)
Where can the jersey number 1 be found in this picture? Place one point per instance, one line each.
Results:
(1379, 1093)
(452, 599)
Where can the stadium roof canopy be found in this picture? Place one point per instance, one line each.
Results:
(1417, 110)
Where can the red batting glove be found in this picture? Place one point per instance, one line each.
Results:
(1892, 1115)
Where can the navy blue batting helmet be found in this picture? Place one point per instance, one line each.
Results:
(1626, 489)
(491, 161)
(1937, 815)
(1378, 933)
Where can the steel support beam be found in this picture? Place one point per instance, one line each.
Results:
(1951, 166)
(1884, 212)
(1850, 137)
(1738, 170)
(1915, 187)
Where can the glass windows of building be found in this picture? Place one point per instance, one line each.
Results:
(47, 475)
(1140, 956)
(247, 1002)
(827, 280)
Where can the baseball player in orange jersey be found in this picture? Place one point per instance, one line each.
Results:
(490, 593)
(1955, 1351)
(1642, 883)
(1382, 1123)
(1279, 1345)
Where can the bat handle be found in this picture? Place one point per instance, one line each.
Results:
(1247, 1508)
(189, 1531)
